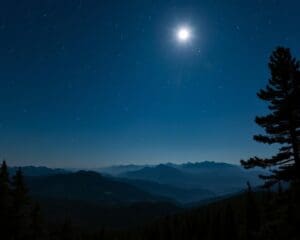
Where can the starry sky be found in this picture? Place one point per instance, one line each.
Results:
(86, 83)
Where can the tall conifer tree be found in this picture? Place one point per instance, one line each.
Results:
(282, 124)
(5, 201)
(20, 206)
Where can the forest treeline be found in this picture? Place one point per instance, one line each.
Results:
(19, 215)
(270, 213)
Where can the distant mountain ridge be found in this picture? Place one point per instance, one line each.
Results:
(119, 169)
(205, 164)
(37, 170)
(116, 170)
(220, 178)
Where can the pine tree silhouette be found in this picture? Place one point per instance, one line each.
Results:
(20, 205)
(20, 192)
(5, 202)
(282, 124)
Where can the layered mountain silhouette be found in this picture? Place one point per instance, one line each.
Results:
(179, 194)
(88, 186)
(92, 200)
(219, 178)
(181, 183)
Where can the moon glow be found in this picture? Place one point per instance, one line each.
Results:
(183, 34)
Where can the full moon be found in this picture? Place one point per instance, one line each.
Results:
(183, 34)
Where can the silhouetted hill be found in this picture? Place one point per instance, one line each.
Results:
(87, 186)
(37, 171)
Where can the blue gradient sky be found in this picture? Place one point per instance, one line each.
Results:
(93, 83)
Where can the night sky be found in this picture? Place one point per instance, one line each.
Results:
(86, 83)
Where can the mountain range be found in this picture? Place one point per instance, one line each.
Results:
(182, 183)
(37, 171)
(132, 194)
